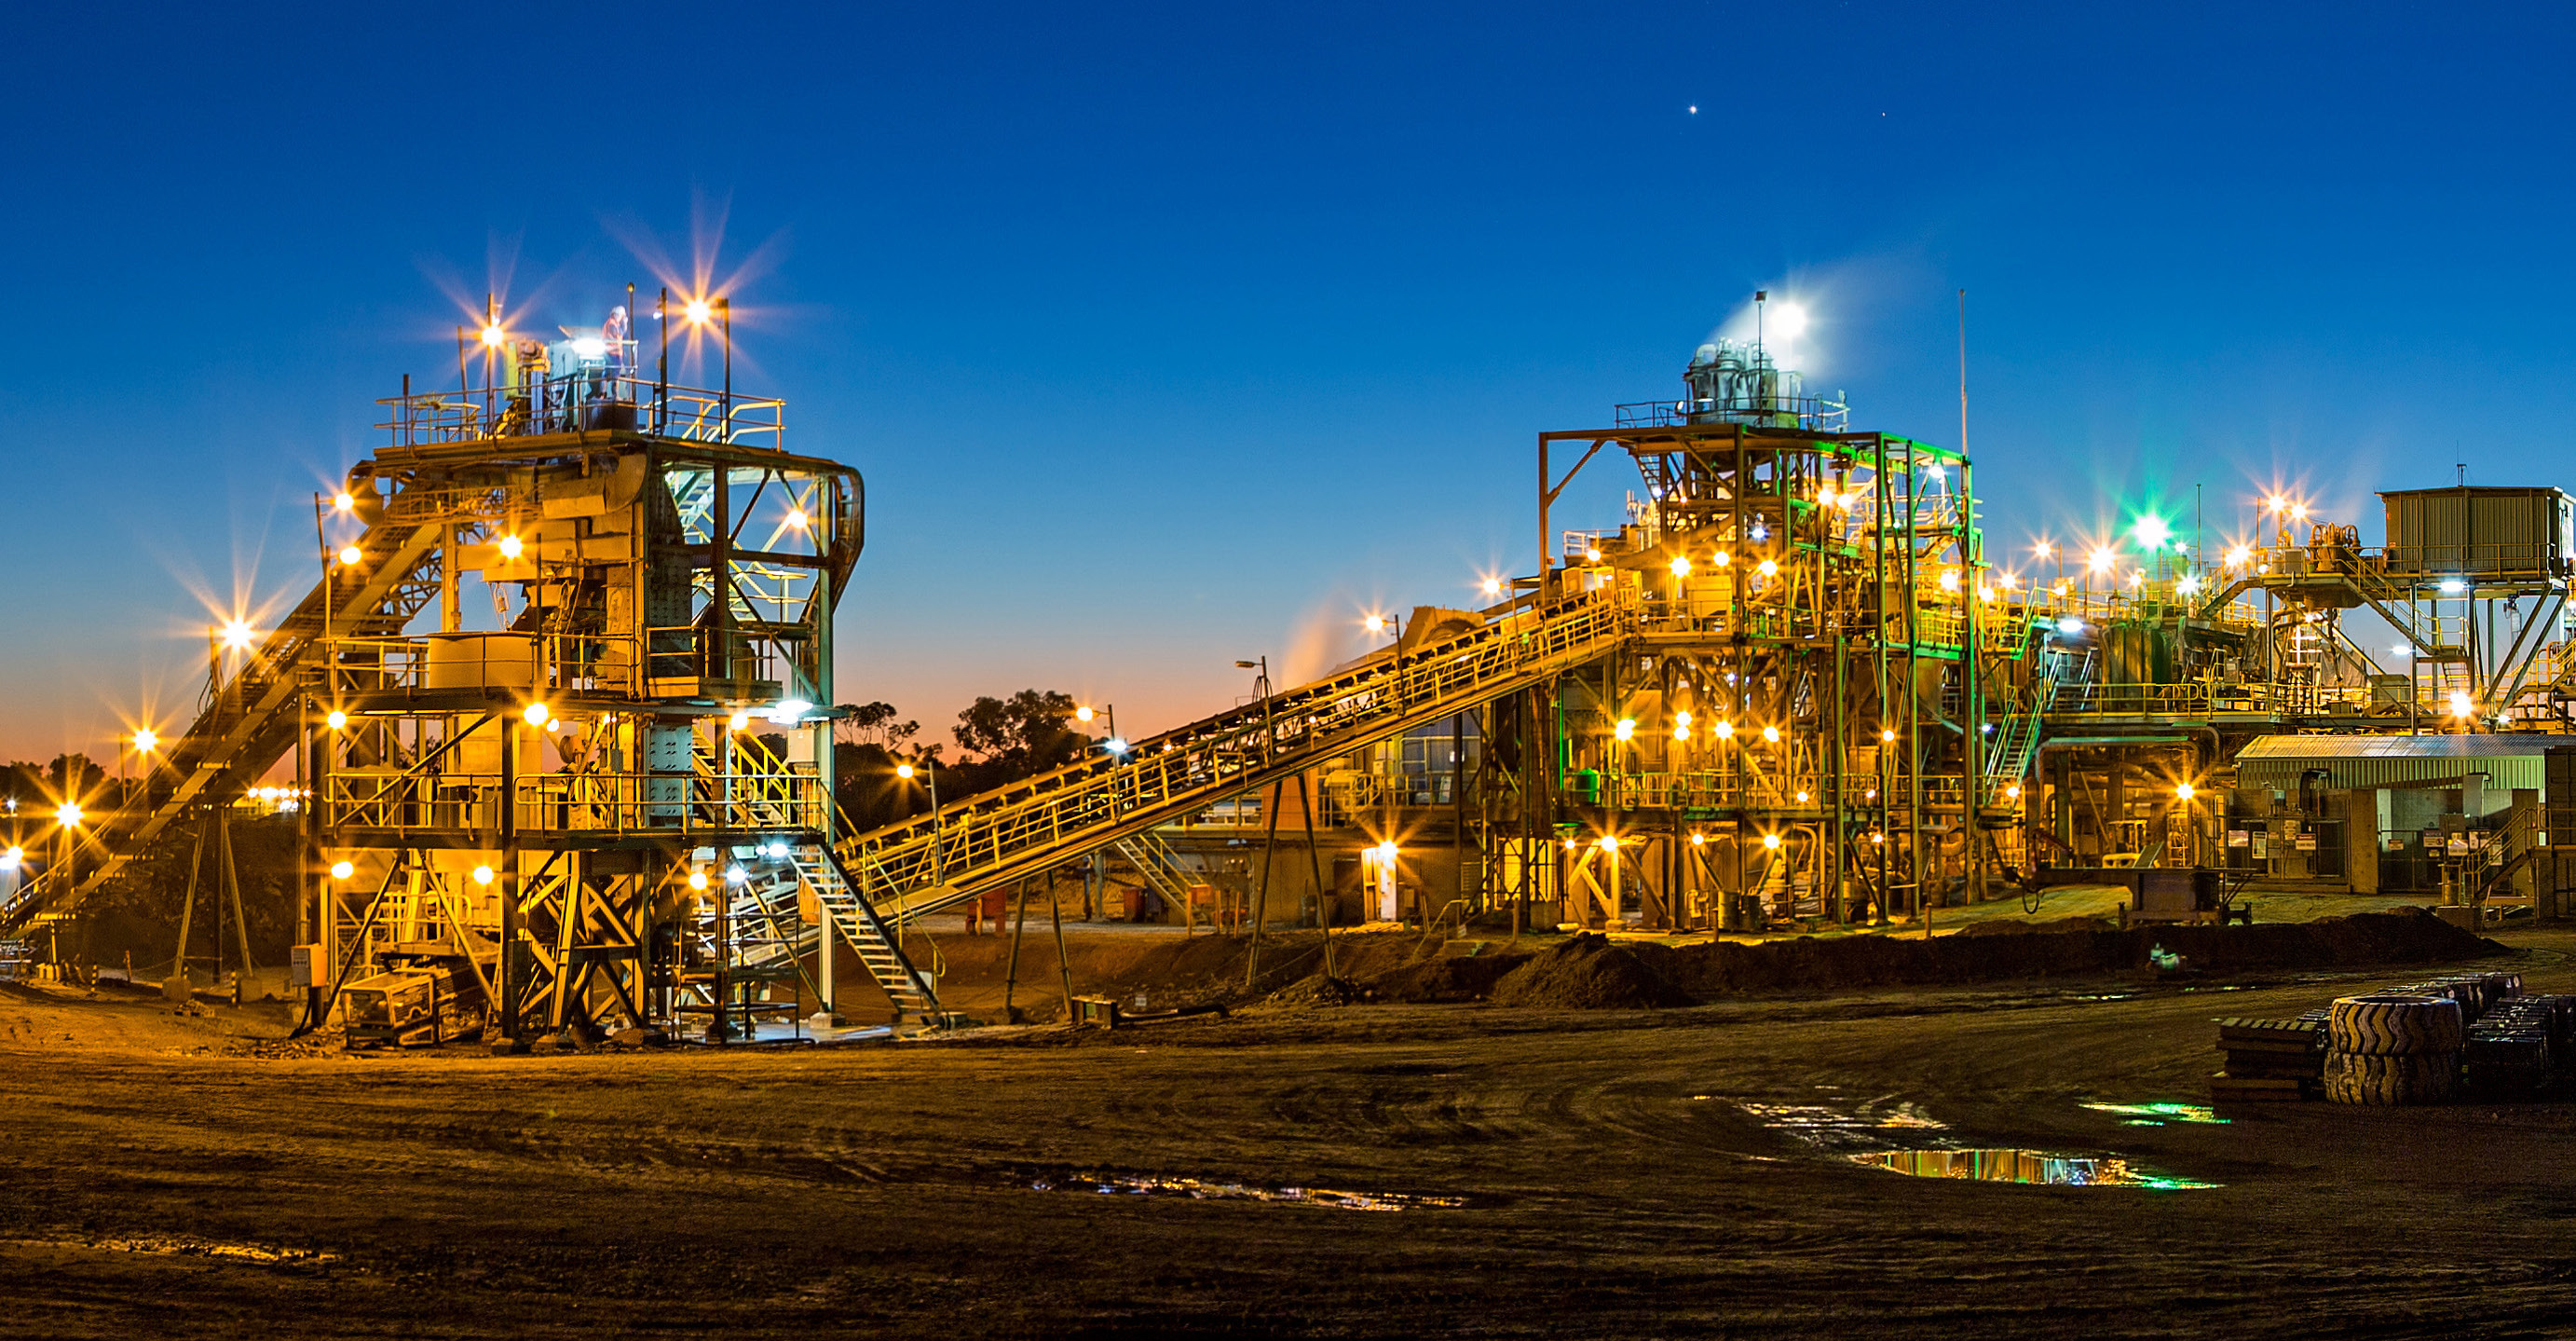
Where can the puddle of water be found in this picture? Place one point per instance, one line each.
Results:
(2157, 1115)
(1200, 1189)
(2023, 1166)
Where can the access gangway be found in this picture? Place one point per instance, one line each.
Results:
(925, 865)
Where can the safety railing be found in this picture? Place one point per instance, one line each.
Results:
(589, 400)
(1788, 792)
(580, 802)
(1815, 414)
(1182, 770)
(561, 662)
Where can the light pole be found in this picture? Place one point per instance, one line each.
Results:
(906, 772)
(1116, 744)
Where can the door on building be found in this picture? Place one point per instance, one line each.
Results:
(2327, 860)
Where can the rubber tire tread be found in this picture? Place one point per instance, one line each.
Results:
(2389, 1024)
(2383, 1081)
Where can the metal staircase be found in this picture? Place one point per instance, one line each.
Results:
(249, 720)
(2017, 736)
(771, 934)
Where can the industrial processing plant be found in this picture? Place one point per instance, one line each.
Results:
(1321, 673)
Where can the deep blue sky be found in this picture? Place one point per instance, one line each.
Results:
(1163, 336)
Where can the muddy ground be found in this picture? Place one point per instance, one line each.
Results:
(1504, 1172)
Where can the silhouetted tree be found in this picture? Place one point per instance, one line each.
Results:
(1017, 737)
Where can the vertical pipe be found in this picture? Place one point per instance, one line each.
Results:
(1261, 894)
(1972, 660)
(1315, 861)
(508, 972)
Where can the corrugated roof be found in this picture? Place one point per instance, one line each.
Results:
(2510, 762)
(2402, 747)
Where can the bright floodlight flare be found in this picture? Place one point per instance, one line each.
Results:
(1386, 850)
(1771, 841)
(2276, 503)
(1115, 744)
(1493, 586)
(2462, 705)
(1767, 568)
(1771, 734)
(69, 812)
(1609, 842)
(2100, 560)
(350, 555)
(1681, 730)
(1084, 713)
(1626, 729)
(336, 720)
(2238, 556)
(697, 880)
(1375, 623)
(698, 311)
(341, 870)
(145, 738)
(1698, 838)
(735, 875)
(536, 714)
(1683, 717)
(739, 720)
(343, 501)
(796, 518)
(2151, 532)
(2043, 549)
(903, 771)
(482, 875)
(238, 635)
(510, 547)
(2184, 791)
(10, 857)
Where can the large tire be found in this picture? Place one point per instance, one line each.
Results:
(2394, 1024)
(2419, 1078)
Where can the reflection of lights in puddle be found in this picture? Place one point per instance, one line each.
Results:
(2023, 1166)
(170, 1247)
(2157, 1115)
(1903, 1138)
(1200, 1189)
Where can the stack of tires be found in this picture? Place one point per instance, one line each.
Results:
(2393, 1048)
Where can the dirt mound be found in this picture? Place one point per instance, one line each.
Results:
(1809, 964)
(1316, 990)
(1590, 973)
(2011, 926)
(1449, 978)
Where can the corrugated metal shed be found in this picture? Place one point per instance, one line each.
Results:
(2510, 762)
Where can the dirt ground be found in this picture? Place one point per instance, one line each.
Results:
(1358, 1171)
